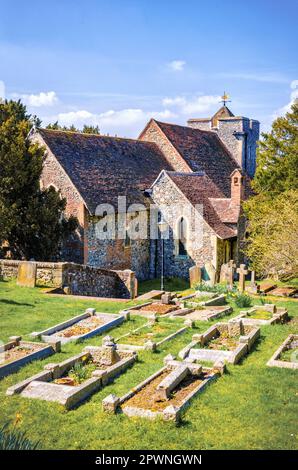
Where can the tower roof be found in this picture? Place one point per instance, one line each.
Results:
(223, 112)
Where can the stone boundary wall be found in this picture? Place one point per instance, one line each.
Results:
(80, 279)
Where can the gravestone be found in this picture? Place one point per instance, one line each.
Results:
(253, 287)
(231, 272)
(242, 271)
(194, 276)
(27, 274)
(211, 273)
(224, 273)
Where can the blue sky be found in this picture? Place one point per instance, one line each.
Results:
(117, 63)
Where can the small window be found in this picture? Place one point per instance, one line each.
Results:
(236, 181)
(182, 231)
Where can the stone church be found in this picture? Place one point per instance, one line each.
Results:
(195, 176)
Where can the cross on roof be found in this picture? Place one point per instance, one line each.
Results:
(225, 99)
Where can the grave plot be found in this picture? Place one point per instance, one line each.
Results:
(90, 323)
(222, 342)
(206, 310)
(267, 314)
(286, 355)
(284, 292)
(166, 393)
(17, 353)
(155, 308)
(75, 379)
(267, 286)
(200, 295)
(153, 334)
(207, 313)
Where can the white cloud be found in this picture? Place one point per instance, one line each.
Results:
(196, 104)
(127, 122)
(48, 98)
(2, 90)
(177, 65)
(293, 97)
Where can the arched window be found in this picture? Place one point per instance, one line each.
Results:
(182, 237)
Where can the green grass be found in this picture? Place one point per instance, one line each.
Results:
(251, 407)
(155, 333)
(173, 284)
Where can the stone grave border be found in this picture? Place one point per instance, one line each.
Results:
(197, 294)
(151, 345)
(246, 342)
(135, 311)
(216, 301)
(48, 335)
(71, 395)
(280, 315)
(275, 361)
(42, 353)
(112, 403)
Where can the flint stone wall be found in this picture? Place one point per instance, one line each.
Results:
(81, 279)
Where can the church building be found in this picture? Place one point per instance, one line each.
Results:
(192, 178)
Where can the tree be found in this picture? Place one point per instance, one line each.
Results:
(272, 213)
(91, 130)
(57, 127)
(277, 163)
(86, 129)
(32, 224)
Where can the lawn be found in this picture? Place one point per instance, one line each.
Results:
(251, 407)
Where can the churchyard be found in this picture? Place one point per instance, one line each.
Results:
(194, 406)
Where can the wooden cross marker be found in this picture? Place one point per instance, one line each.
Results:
(242, 271)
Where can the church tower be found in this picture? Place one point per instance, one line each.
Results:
(239, 134)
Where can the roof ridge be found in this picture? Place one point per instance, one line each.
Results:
(183, 173)
(192, 129)
(87, 134)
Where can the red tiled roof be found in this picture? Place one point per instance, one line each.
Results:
(199, 189)
(203, 151)
(102, 168)
(227, 212)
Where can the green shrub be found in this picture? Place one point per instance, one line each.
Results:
(218, 288)
(243, 301)
(13, 439)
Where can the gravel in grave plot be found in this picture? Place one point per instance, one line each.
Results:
(145, 397)
(80, 328)
(288, 353)
(161, 309)
(223, 342)
(155, 332)
(18, 352)
(260, 315)
(74, 377)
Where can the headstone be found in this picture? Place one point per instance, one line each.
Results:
(253, 287)
(110, 403)
(27, 274)
(242, 271)
(224, 270)
(170, 382)
(227, 271)
(107, 355)
(231, 272)
(194, 276)
(166, 298)
(211, 273)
